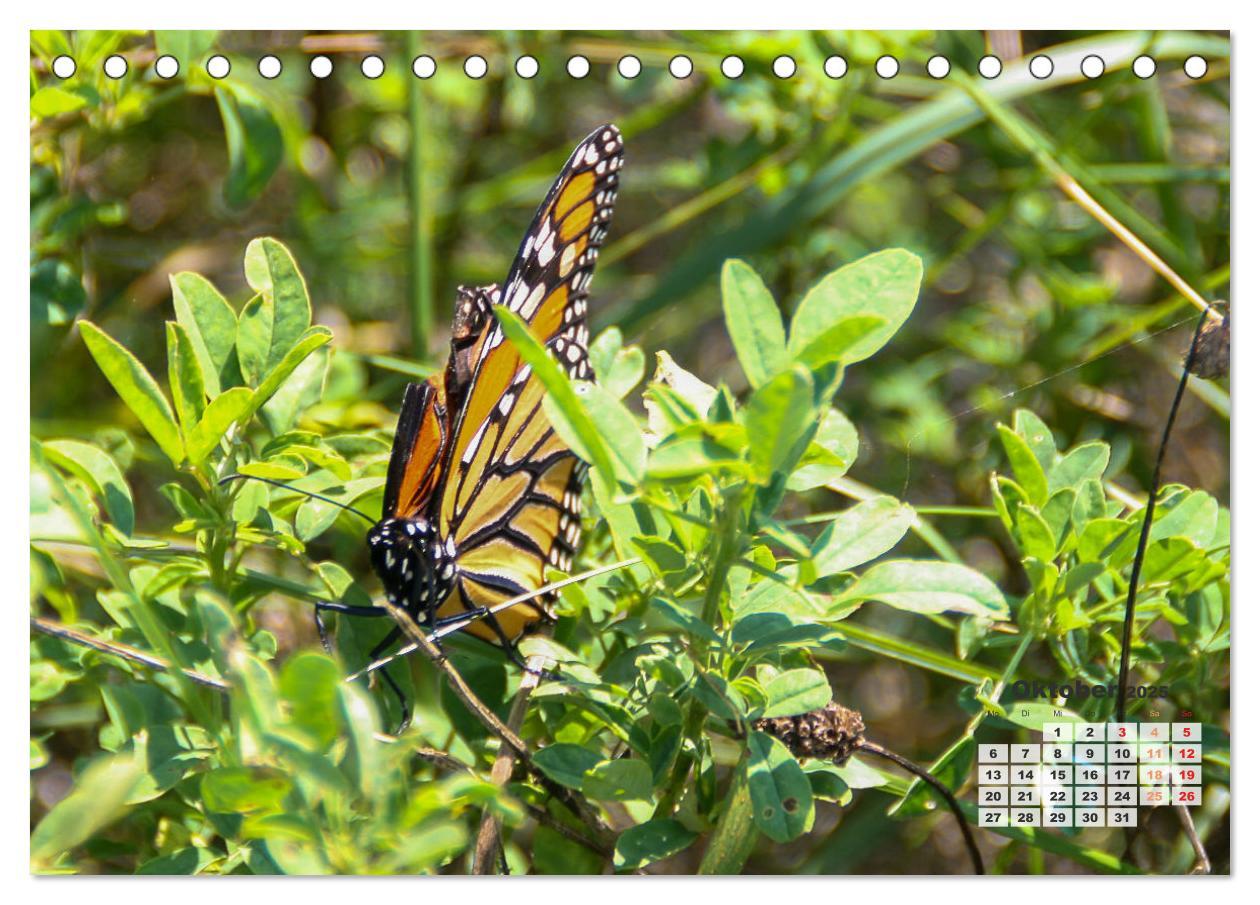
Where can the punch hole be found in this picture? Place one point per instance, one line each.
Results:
(938, 67)
(115, 66)
(475, 66)
(629, 67)
(63, 67)
(372, 67)
(732, 67)
(1195, 67)
(423, 66)
(680, 66)
(990, 67)
(166, 66)
(835, 67)
(579, 67)
(217, 67)
(887, 66)
(1041, 66)
(527, 66)
(269, 67)
(1144, 67)
(1093, 66)
(784, 66)
(321, 67)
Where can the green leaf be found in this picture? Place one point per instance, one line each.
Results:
(1100, 538)
(828, 784)
(304, 388)
(782, 798)
(929, 587)
(309, 682)
(1040, 439)
(53, 101)
(210, 323)
(617, 369)
(617, 427)
(1084, 463)
(1024, 465)
(952, 768)
(253, 337)
(830, 455)
(753, 322)
(861, 533)
(188, 389)
(834, 344)
(624, 779)
(566, 764)
(224, 410)
(1091, 503)
(796, 691)
(255, 144)
(649, 842)
(244, 790)
(298, 352)
(884, 284)
(685, 619)
(136, 387)
(99, 470)
(98, 799)
(188, 46)
(1033, 534)
(270, 270)
(777, 417)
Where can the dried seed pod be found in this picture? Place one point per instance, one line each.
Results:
(1209, 356)
(832, 732)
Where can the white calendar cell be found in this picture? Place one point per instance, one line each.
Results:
(1187, 754)
(1056, 816)
(1154, 796)
(1090, 753)
(1025, 816)
(1055, 753)
(1151, 753)
(1122, 753)
(1025, 796)
(1090, 775)
(1187, 732)
(1057, 732)
(995, 774)
(1026, 754)
(994, 754)
(1090, 732)
(1056, 796)
(1091, 796)
(1187, 776)
(1155, 775)
(1187, 796)
(994, 817)
(1122, 796)
(1055, 775)
(1088, 817)
(1122, 732)
(1025, 774)
(1121, 817)
(1122, 775)
(993, 796)
(1154, 732)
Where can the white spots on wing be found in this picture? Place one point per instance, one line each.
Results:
(567, 258)
(411, 528)
(476, 442)
(573, 353)
(450, 547)
(547, 250)
(517, 296)
(592, 154)
(448, 570)
(505, 403)
(531, 304)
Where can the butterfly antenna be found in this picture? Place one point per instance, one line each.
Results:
(309, 493)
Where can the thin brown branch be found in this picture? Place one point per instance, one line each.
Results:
(1202, 864)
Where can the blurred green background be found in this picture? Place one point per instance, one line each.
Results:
(392, 191)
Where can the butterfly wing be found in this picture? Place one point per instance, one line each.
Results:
(510, 500)
(415, 462)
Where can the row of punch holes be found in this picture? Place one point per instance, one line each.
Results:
(629, 67)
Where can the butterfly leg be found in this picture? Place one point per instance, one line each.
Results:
(375, 654)
(322, 606)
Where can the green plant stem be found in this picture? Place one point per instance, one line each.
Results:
(735, 835)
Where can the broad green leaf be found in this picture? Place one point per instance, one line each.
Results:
(828, 784)
(796, 691)
(98, 799)
(188, 389)
(1040, 439)
(137, 388)
(253, 337)
(1024, 465)
(242, 790)
(618, 427)
(314, 517)
(308, 682)
(782, 799)
(685, 619)
(928, 587)
(953, 768)
(1033, 534)
(830, 455)
(210, 322)
(298, 352)
(304, 388)
(1084, 463)
(271, 270)
(861, 533)
(224, 410)
(281, 468)
(1193, 517)
(694, 395)
(624, 779)
(778, 414)
(102, 474)
(650, 842)
(753, 322)
(884, 284)
(255, 144)
(566, 764)
(52, 100)
(833, 345)
(1091, 503)
(1100, 538)
(775, 631)
(688, 455)
(617, 369)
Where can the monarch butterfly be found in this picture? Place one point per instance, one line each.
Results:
(481, 494)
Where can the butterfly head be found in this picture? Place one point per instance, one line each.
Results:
(412, 561)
